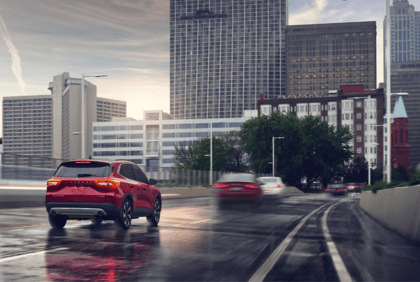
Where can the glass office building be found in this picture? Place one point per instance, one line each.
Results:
(323, 57)
(224, 54)
(405, 32)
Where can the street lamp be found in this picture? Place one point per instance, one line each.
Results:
(374, 144)
(273, 153)
(84, 111)
(211, 151)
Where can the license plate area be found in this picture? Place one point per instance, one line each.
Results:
(235, 188)
(78, 190)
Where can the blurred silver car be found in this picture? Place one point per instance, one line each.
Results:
(272, 186)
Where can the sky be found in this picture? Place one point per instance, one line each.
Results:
(126, 39)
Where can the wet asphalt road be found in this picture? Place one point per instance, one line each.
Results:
(301, 238)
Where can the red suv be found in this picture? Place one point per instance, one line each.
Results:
(101, 190)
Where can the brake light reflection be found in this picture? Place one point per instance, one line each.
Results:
(252, 186)
(221, 186)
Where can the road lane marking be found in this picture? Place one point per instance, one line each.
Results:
(340, 268)
(171, 195)
(262, 272)
(194, 222)
(31, 254)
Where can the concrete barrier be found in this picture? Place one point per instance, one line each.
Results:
(397, 209)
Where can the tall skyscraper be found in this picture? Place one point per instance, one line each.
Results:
(405, 25)
(224, 54)
(322, 57)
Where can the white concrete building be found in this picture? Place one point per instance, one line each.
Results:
(150, 142)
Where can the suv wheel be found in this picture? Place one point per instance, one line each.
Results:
(57, 221)
(154, 218)
(124, 218)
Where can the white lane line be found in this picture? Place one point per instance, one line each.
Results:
(339, 265)
(171, 195)
(262, 272)
(194, 222)
(31, 254)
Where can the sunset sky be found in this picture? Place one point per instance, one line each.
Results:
(126, 39)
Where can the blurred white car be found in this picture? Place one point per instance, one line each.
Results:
(272, 186)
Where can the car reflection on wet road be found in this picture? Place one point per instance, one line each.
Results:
(198, 240)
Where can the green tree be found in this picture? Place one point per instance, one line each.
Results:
(377, 175)
(184, 154)
(310, 147)
(325, 150)
(357, 171)
(235, 155)
(202, 162)
(227, 154)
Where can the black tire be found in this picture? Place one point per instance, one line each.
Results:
(123, 220)
(57, 221)
(96, 221)
(154, 218)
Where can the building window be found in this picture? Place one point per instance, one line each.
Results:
(265, 110)
(359, 150)
(359, 127)
(358, 115)
(359, 138)
(359, 104)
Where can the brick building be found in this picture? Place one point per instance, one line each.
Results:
(400, 148)
(351, 106)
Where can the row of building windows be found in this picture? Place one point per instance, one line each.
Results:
(118, 136)
(117, 153)
(118, 145)
(118, 128)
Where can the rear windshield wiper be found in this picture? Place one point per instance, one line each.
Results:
(85, 175)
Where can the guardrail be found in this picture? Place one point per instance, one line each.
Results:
(397, 209)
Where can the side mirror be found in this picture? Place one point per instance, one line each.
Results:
(152, 181)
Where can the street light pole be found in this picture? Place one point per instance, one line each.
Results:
(388, 87)
(211, 153)
(273, 153)
(82, 133)
(83, 117)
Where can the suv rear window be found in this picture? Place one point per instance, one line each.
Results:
(84, 169)
(337, 186)
(240, 177)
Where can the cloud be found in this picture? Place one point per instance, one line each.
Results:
(16, 66)
(309, 14)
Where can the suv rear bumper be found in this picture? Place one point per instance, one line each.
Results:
(83, 210)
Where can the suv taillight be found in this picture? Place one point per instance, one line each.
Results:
(53, 182)
(107, 183)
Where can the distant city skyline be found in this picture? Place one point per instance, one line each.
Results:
(128, 41)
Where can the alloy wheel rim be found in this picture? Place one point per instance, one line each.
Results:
(157, 211)
(127, 214)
